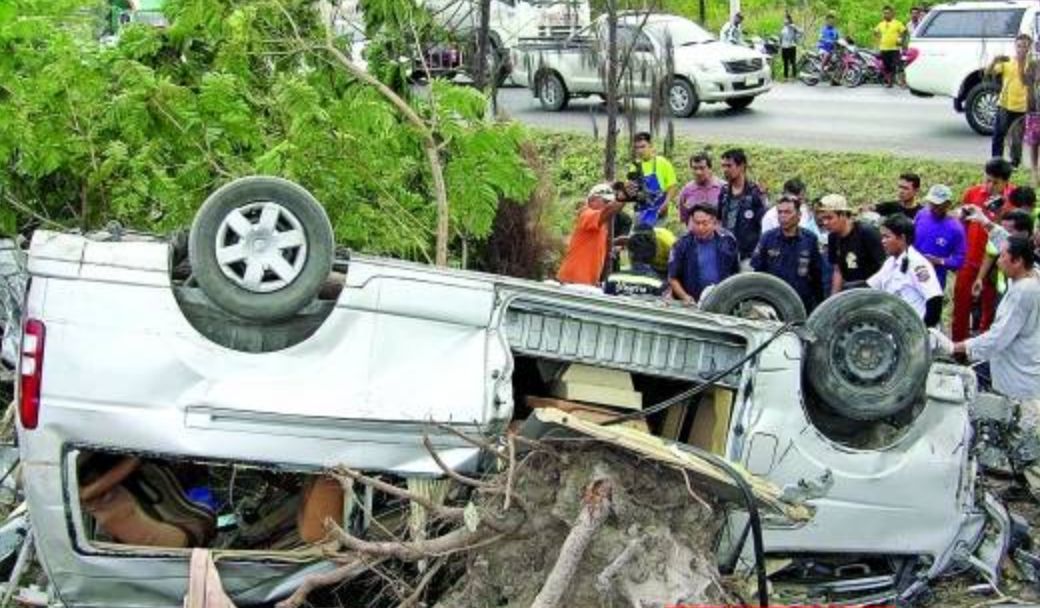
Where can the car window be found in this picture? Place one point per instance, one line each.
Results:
(627, 34)
(1002, 23)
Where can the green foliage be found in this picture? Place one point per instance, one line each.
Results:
(142, 131)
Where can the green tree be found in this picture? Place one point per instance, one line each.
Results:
(142, 130)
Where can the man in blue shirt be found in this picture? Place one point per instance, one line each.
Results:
(828, 35)
(704, 256)
(792, 254)
(939, 237)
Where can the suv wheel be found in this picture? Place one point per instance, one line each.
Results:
(261, 248)
(870, 356)
(980, 107)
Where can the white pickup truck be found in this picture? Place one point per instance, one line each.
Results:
(666, 54)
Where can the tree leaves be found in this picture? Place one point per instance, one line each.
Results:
(144, 129)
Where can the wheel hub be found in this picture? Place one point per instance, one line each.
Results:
(866, 355)
(261, 247)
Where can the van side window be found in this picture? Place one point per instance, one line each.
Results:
(1002, 23)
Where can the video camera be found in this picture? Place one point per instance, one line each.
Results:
(635, 188)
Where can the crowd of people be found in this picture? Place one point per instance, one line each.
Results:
(911, 246)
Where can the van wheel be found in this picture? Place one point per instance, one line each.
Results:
(261, 248)
(682, 98)
(744, 295)
(552, 93)
(870, 357)
(980, 107)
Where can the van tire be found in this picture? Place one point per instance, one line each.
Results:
(291, 247)
(730, 296)
(870, 356)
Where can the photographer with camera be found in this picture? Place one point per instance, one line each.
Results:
(990, 196)
(587, 251)
(655, 177)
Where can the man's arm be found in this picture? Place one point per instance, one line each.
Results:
(836, 280)
(609, 211)
(1004, 330)
(987, 265)
(816, 272)
(678, 292)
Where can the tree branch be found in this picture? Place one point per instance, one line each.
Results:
(460, 539)
(453, 513)
(344, 573)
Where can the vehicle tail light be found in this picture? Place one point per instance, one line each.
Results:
(910, 55)
(31, 373)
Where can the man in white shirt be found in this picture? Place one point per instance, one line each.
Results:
(906, 273)
(793, 187)
(732, 31)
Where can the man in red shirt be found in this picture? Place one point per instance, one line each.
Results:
(587, 251)
(996, 185)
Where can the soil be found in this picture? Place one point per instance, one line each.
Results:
(672, 536)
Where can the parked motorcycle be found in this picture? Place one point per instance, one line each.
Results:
(842, 65)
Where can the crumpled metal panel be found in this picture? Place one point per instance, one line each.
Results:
(597, 339)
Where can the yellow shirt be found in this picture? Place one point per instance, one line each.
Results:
(1013, 94)
(891, 33)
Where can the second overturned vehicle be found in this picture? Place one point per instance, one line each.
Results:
(258, 355)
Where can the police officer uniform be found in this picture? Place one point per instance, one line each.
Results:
(795, 260)
(909, 276)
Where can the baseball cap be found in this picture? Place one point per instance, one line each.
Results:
(604, 191)
(939, 194)
(834, 202)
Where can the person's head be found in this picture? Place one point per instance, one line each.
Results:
(737, 18)
(700, 165)
(915, 12)
(897, 233)
(939, 199)
(887, 13)
(642, 246)
(997, 175)
(795, 187)
(829, 19)
(787, 19)
(734, 164)
(643, 145)
(1022, 197)
(1016, 257)
(702, 221)
(908, 186)
(600, 195)
(1018, 222)
(834, 214)
(1022, 44)
(788, 212)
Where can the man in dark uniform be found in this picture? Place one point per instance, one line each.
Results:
(640, 279)
(742, 204)
(792, 254)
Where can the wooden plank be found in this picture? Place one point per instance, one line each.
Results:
(590, 413)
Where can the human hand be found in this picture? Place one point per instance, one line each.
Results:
(934, 259)
(939, 343)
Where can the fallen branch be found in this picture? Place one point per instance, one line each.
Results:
(510, 472)
(461, 539)
(454, 513)
(413, 599)
(605, 580)
(466, 481)
(596, 506)
(316, 581)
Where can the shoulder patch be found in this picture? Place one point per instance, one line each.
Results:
(922, 273)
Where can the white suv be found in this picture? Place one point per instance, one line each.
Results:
(952, 47)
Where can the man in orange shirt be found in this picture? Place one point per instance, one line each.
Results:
(587, 251)
(991, 197)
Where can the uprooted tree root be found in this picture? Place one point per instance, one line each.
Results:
(575, 524)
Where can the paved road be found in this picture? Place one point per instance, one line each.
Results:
(869, 118)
